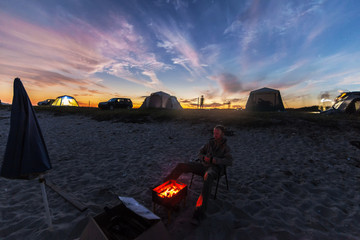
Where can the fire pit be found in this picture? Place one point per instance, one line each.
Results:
(169, 194)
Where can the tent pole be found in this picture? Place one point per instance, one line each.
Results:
(46, 204)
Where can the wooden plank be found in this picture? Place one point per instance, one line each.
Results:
(67, 196)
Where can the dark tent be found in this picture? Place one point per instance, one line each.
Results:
(26, 154)
(265, 99)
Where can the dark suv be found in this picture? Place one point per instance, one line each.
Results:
(116, 103)
(46, 102)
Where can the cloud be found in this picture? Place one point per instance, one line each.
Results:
(178, 43)
(31, 46)
(211, 53)
(271, 20)
(154, 80)
(229, 83)
(237, 100)
(192, 100)
(44, 78)
(168, 46)
(215, 105)
(210, 93)
(75, 49)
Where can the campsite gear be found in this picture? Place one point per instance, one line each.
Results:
(65, 101)
(347, 102)
(217, 182)
(161, 100)
(265, 99)
(26, 155)
(169, 194)
(128, 220)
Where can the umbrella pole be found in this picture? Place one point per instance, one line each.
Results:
(46, 204)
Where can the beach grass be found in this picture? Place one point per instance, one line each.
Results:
(227, 117)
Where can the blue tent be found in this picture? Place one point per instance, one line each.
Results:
(26, 155)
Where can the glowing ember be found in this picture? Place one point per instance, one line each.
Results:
(169, 189)
(169, 192)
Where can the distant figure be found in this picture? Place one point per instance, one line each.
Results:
(212, 159)
(0, 102)
(202, 101)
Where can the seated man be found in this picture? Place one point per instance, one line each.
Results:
(213, 157)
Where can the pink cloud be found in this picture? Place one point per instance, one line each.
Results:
(76, 50)
(179, 44)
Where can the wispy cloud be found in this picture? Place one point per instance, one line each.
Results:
(259, 23)
(179, 44)
(77, 50)
(25, 45)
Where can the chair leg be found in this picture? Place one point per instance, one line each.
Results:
(217, 185)
(227, 183)
(191, 180)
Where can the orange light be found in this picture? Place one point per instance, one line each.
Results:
(169, 189)
(199, 201)
(169, 192)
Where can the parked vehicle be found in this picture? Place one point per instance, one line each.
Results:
(46, 102)
(116, 103)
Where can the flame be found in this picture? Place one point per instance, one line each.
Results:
(169, 189)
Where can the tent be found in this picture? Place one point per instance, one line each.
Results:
(265, 99)
(347, 102)
(161, 100)
(65, 101)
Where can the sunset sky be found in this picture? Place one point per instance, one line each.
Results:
(222, 49)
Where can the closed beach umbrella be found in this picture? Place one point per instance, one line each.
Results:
(26, 155)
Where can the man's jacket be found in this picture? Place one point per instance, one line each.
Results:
(220, 152)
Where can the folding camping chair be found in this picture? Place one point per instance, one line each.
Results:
(217, 181)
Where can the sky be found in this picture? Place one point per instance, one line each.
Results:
(221, 49)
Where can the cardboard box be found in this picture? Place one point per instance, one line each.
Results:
(128, 220)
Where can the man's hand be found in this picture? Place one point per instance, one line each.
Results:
(207, 159)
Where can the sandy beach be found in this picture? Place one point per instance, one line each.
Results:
(299, 181)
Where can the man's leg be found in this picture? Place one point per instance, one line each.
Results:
(193, 167)
(209, 177)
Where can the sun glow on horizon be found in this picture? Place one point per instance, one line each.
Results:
(132, 49)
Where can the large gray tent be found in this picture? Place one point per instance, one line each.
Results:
(161, 100)
(265, 99)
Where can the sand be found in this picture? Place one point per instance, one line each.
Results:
(294, 182)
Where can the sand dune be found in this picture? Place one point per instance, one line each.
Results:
(294, 182)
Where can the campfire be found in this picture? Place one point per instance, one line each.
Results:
(169, 189)
(169, 194)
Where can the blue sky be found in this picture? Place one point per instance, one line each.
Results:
(95, 50)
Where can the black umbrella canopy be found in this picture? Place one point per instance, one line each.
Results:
(26, 155)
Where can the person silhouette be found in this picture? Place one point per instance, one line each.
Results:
(202, 101)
